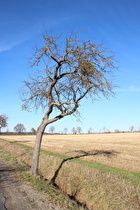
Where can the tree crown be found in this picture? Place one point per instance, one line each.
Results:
(3, 121)
(19, 128)
(73, 70)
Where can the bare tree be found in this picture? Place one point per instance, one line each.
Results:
(73, 130)
(79, 129)
(33, 130)
(90, 130)
(51, 129)
(19, 128)
(132, 128)
(74, 69)
(104, 129)
(117, 131)
(65, 130)
(3, 121)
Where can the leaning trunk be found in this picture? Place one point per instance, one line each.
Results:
(35, 161)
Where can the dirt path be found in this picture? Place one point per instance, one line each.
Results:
(17, 195)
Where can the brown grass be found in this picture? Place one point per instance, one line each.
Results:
(126, 146)
(93, 185)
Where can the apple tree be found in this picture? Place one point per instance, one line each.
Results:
(66, 70)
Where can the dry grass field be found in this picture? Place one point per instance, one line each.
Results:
(95, 186)
(125, 146)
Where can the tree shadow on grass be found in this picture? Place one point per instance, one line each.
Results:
(82, 153)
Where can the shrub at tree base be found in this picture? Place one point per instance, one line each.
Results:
(94, 185)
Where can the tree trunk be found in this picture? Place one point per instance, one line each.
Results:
(35, 161)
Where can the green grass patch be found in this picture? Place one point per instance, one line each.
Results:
(21, 145)
(55, 154)
(6, 155)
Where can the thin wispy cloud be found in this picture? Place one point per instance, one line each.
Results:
(13, 39)
(130, 89)
(9, 46)
(134, 88)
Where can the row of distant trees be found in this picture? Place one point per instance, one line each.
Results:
(78, 130)
(18, 128)
(75, 130)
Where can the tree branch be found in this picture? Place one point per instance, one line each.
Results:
(57, 104)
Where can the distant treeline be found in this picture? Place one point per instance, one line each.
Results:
(17, 133)
(34, 133)
(22, 133)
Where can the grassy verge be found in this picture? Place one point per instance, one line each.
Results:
(52, 193)
(94, 185)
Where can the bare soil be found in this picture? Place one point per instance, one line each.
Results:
(16, 194)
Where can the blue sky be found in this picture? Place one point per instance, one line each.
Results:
(114, 23)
